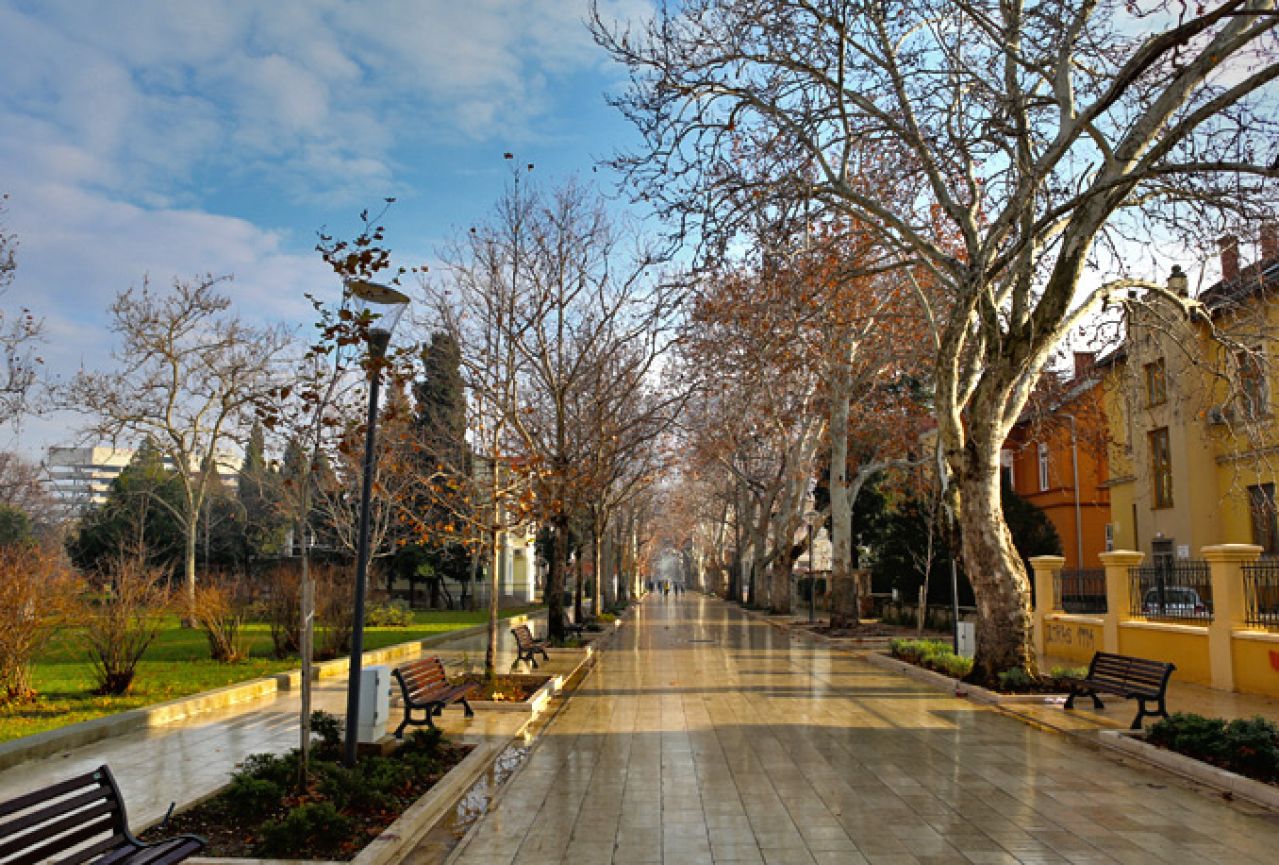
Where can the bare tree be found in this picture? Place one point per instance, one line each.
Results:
(19, 332)
(1024, 144)
(548, 285)
(189, 374)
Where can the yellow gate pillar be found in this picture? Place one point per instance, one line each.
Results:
(1117, 564)
(1047, 597)
(1225, 567)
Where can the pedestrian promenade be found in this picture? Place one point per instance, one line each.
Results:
(187, 759)
(704, 735)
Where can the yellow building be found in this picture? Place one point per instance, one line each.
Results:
(1194, 455)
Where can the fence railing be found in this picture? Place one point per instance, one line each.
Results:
(1261, 593)
(1082, 590)
(1180, 589)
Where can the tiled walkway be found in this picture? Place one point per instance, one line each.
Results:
(187, 759)
(704, 736)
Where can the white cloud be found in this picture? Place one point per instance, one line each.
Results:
(122, 123)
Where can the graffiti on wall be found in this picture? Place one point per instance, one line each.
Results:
(1070, 634)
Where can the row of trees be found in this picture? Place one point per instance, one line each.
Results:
(1011, 158)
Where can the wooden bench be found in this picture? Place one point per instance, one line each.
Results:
(527, 647)
(81, 821)
(1131, 678)
(424, 686)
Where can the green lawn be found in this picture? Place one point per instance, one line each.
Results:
(176, 665)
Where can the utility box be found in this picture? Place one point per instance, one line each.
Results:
(967, 639)
(375, 694)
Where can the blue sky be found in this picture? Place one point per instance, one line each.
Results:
(174, 138)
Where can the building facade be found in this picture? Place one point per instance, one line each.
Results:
(1195, 441)
(1056, 458)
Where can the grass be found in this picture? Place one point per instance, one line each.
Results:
(177, 665)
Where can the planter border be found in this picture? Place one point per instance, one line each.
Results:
(960, 689)
(411, 826)
(56, 741)
(1134, 744)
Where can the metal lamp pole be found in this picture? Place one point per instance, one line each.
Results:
(389, 304)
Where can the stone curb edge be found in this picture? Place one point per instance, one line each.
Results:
(412, 825)
(1257, 792)
(51, 742)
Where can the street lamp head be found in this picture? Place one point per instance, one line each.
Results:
(383, 304)
(814, 519)
(1178, 282)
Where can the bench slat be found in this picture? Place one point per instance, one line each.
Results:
(26, 800)
(81, 820)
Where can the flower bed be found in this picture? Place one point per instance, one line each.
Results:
(1248, 747)
(263, 813)
(937, 656)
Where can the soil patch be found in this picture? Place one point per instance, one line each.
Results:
(333, 818)
(504, 688)
(872, 629)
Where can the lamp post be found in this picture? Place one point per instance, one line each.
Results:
(813, 519)
(384, 305)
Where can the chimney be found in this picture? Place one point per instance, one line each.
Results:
(1084, 361)
(1269, 240)
(1229, 246)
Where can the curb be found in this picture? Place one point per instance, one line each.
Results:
(1257, 792)
(52, 742)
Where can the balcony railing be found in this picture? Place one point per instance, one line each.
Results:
(1175, 589)
(1261, 593)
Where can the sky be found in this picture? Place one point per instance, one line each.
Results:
(163, 139)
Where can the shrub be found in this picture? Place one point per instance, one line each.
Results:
(606, 618)
(1247, 746)
(333, 611)
(388, 614)
(1015, 679)
(37, 594)
(282, 610)
(1068, 672)
(955, 666)
(247, 797)
(221, 609)
(327, 728)
(316, 822)
(123, 621)
(933, 655)
(916, 651)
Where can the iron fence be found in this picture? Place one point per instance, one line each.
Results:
(1082, 590)
(1173, 589)
(1261, 593)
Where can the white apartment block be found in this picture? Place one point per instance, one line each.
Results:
(79, 478)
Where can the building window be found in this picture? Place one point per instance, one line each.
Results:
(1156, 383)
(1254, 390)
(1006, 461)
(1161, 468)
(1043, 467)
(1265, 518)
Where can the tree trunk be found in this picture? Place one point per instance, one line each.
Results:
(192, 529)
(844, 600)
(845, 603)
(490, 651)
(1000, 585)
(555, 576)
(306, 639)
(780, 591)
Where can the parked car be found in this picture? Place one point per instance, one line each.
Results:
(1174, 601)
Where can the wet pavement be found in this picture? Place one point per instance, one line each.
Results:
(188, 759)
(703, 735)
